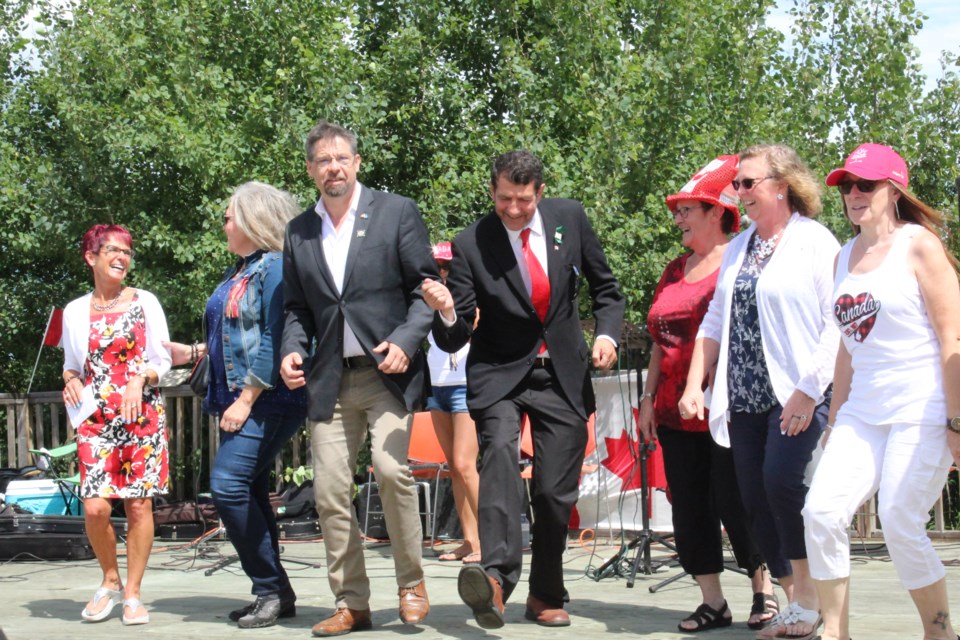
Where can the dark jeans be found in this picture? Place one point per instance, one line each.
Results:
(240, 483)
(559, 441)
(770, 468)
(704, 493)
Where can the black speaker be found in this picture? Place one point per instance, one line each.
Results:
(45, 546)
(376, 526)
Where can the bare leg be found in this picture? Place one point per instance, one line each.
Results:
(103, 539)
(934, 610)
(804, 593)
(139, 543)
(712, 595)
(466, 448)
(835, 608)
(444, 426)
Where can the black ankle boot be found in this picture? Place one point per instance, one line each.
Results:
(265, 611)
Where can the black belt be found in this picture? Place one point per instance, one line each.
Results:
(358, 362)
(541, 363)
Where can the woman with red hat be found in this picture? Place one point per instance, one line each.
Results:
(896, 419)
(699, 471)
(769, 336)
(455, 428)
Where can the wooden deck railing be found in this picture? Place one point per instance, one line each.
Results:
(40, 420)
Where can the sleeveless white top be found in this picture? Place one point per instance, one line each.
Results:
(447, 370)
(897, 375)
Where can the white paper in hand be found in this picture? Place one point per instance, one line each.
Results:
(85, 409)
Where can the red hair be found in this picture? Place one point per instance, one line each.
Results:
(96, 235)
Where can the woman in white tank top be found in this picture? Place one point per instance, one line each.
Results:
(896, 393)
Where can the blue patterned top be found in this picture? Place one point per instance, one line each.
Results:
(749, 384)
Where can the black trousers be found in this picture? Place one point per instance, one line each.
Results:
(704, 492)
(559, 440)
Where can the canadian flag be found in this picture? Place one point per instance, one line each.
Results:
(53, 336)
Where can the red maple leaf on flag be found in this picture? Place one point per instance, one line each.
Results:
(623, 456)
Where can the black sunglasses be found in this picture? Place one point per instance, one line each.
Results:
(864, 186)
(748, 183)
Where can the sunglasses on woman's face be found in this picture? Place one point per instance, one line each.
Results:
(748, 183)
(864, 186)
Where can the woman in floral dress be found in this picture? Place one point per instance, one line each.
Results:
(113, 344)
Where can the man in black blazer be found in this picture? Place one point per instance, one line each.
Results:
(521, 266)
(352, 268)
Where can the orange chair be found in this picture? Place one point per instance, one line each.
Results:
(526, 446)
(426, 460)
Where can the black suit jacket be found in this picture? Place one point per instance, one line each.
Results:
(389, 256)
(485, 275)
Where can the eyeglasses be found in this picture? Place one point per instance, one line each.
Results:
(683, 212)
(864, 186)
(343, 161)
(111, 250)
(748, 183)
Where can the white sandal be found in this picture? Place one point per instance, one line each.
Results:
(114, 597)
(134, 604)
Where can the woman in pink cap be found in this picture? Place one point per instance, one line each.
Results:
(699, 472)
(455, 428)
(896, 399)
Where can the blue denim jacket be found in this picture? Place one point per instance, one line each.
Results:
(251, 341)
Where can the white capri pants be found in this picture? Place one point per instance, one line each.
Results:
(908, 463)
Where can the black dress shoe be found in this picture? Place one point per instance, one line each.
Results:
(265, 611)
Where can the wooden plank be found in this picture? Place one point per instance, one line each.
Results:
(23, 429)
(12, 435)
(54, 425)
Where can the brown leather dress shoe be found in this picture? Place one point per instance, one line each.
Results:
(414, 604)
(343, 621)
(482, 594)
(545, 615)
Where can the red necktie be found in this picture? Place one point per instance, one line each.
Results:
(539, 284)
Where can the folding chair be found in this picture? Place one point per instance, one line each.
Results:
(49, 460)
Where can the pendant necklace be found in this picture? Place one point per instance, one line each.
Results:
(763, 249)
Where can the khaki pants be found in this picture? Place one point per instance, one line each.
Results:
(364, 403)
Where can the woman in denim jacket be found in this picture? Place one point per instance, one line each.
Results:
(258, 413)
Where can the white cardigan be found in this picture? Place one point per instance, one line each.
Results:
(76, 333)
(795, 305)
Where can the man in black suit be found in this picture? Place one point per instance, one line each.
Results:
(521, 266)
(352, 268)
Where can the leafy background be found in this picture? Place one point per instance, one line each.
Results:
(148, 113)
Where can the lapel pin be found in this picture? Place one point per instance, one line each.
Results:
(363, 216)
(558, 238)
(361, 233)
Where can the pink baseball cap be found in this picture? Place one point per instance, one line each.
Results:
(712, 184)
(442, 251)
(872, 162)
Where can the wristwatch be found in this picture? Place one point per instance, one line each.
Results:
(146, 378)
(954, 424)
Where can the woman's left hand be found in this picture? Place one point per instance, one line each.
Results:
(132, 400)
(797, 413)
(236, 414)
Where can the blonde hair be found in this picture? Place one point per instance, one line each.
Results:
(261, 212)
(803, 188)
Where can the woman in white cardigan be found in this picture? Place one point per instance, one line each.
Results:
(769, 335)
(113, 345)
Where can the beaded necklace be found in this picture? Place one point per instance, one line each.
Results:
(763, 249)
(109, 305)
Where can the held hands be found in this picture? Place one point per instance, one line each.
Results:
(438, 298)
(797, 413)
(604, 354)
(396, 361)
(291, 371)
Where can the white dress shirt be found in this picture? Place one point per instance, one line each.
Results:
(336, 244)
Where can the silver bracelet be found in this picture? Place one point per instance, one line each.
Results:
(646, 394)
